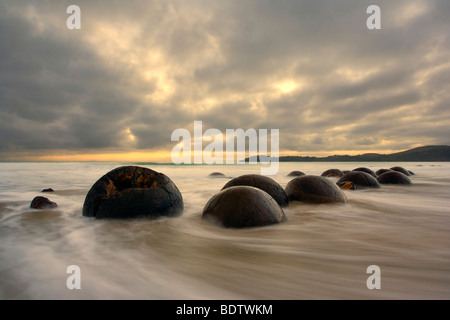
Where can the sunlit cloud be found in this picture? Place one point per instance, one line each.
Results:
(411, 11)
(286, 86)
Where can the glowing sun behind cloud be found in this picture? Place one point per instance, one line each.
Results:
(287, 86)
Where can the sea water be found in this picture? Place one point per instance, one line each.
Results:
(320, 252)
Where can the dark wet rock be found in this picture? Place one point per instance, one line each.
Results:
(360, 179)
(243, 207)
(261, 182)
(42, 203)
(216, 174)
(296, 174)
(381, 171)
(393, 177)
(314, 189)
(332, 173)
(411, 173)
(345, 171)
(132, 191)
(402, 170)
(48, 190)
(366, 170)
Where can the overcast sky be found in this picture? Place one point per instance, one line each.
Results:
(137, 70)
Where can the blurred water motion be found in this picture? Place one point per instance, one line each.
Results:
(320, 252)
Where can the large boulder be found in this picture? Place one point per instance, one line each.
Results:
(402, 170)
(42, 203)
(314, 189)
(359, 179)
(261, 182)
(381, 171)
(243, 207)
(332, 173)
(366, 170)
(295, 174)
(393, 177)
(132, 191)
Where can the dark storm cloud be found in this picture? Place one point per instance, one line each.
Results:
(138, 70)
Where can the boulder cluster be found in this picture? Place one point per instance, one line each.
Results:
(250, 200)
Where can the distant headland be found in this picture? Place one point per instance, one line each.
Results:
(426, 153)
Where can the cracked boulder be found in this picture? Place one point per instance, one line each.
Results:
(133, 191)
(359, 179)
(243, 207)
(261, 182)
(332, 173)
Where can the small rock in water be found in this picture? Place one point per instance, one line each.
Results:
(42, 203)
(48, 190)
(314, 189)
(216, 174)
(243, 207)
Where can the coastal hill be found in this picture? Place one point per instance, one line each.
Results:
(426, 153)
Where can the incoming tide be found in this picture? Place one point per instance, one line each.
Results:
(320, 252)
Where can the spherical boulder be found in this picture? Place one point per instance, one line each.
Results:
(381, 171)
(42, 203)
(360, 179)
(314, 189)
(366, 170)
(261, 182)
(243, 207)
(296, 174)
(216, 174)
(393, 177)
(402, 170)
(132, 191)
(332, 173)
